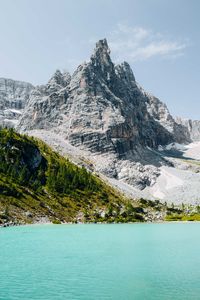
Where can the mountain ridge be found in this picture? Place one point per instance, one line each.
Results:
(115, 108)
(104, 115)
(13, 97)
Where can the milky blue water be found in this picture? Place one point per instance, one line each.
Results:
(125, 261)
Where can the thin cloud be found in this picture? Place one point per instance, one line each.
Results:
(138, 44)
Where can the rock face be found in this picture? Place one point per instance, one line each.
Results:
(102, 108)
(159, 111)
(45, 105)
(13, 98)
(192, 126)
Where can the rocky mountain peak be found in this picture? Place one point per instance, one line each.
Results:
(101, 61)
(102, 51)
(125, 73)
(101, 107)
(102, 110)
(58, 80)
(57, 76)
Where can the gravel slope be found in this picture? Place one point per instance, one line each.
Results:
(179, 184)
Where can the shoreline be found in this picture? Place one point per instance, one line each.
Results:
(92, 223)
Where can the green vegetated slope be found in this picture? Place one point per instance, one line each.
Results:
(184, 215)
(37, 182)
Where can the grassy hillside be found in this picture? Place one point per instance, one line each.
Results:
(36, 182)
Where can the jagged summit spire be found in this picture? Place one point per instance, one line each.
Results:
(56, 77)
(125, 72)
(103, 45)
(101, 53)
(59, 78)
(101, 60)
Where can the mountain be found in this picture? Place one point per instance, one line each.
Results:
(102, 119)
(102, 108)
(103, 111)
(193, 127)
(13, 97)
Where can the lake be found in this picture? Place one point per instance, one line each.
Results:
(111, 261)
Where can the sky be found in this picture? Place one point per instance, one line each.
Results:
(160, 39)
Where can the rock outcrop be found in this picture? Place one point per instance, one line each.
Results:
(192, 126)
(159, 111)
(45, 105)
(103, 112)
(101, 108)
(13, 98)
(102, 119)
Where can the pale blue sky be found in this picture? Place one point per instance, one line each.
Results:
(159, 38)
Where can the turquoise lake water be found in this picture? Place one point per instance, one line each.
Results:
(122, 261)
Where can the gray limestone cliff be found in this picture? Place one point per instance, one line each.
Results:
(192, 126)
(103, 114)
(13, 98)
(102, 119)
(101, 108)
